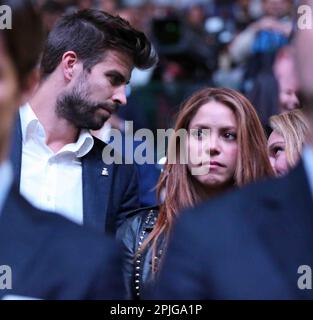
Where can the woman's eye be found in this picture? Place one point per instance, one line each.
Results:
(230, 136)
(278, 151)
(200, 133)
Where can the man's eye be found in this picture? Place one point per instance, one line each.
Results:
(114, 81)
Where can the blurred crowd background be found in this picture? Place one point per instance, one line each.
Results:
(241, 44)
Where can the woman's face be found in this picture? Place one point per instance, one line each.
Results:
(212, 145)
(276, 148)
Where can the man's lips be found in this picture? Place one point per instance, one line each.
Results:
(109, 109)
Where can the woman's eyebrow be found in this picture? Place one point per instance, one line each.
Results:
(275, 144)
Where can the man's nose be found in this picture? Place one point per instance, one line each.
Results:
(119, 95)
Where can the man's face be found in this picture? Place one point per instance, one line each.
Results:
(286, 75)
(288, 99)
(94, 95)
(8, 96)
(303, 53)
(304, 63)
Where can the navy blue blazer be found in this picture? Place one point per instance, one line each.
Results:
(248, 244)
(107, 200)
(53, 258)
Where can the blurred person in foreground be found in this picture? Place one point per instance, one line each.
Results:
(43, 255)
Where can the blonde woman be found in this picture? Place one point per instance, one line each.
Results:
(286, 140)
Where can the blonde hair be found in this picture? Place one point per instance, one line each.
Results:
(293, 127)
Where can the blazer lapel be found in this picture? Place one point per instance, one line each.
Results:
(16, 150)
(96, 188)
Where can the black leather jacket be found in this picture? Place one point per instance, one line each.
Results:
(137, 269)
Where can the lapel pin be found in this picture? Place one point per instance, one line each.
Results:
(105, 172)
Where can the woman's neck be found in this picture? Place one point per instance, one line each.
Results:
(206, 193)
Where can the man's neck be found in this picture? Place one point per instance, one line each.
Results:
(59, 132)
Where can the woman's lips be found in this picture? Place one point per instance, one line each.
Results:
(216, 164)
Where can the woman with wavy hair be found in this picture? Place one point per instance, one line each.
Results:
(224, 147)
(286, 140)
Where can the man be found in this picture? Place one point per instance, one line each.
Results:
(255, 243)
(86, 65)
(42, 255)
(286, 77)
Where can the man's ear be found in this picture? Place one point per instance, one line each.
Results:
(69, 60)
(29, 86)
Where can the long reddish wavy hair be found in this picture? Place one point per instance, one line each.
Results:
(181, 189)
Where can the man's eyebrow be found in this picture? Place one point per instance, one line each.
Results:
(117, 75)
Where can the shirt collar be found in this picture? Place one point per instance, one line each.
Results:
(82, 146)
(31, 126)
(307, 156)
(29, 121)
(6, 178)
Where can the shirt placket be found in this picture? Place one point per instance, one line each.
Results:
(50, 184)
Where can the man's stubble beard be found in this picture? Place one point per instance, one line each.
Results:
(75, 106)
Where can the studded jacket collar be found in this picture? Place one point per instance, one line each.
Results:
(137, 268)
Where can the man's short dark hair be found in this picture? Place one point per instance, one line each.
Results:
(89, 33)
(24, 41)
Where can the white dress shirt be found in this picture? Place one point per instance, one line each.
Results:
(52, 181)
(307, 157)
(6, 178)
